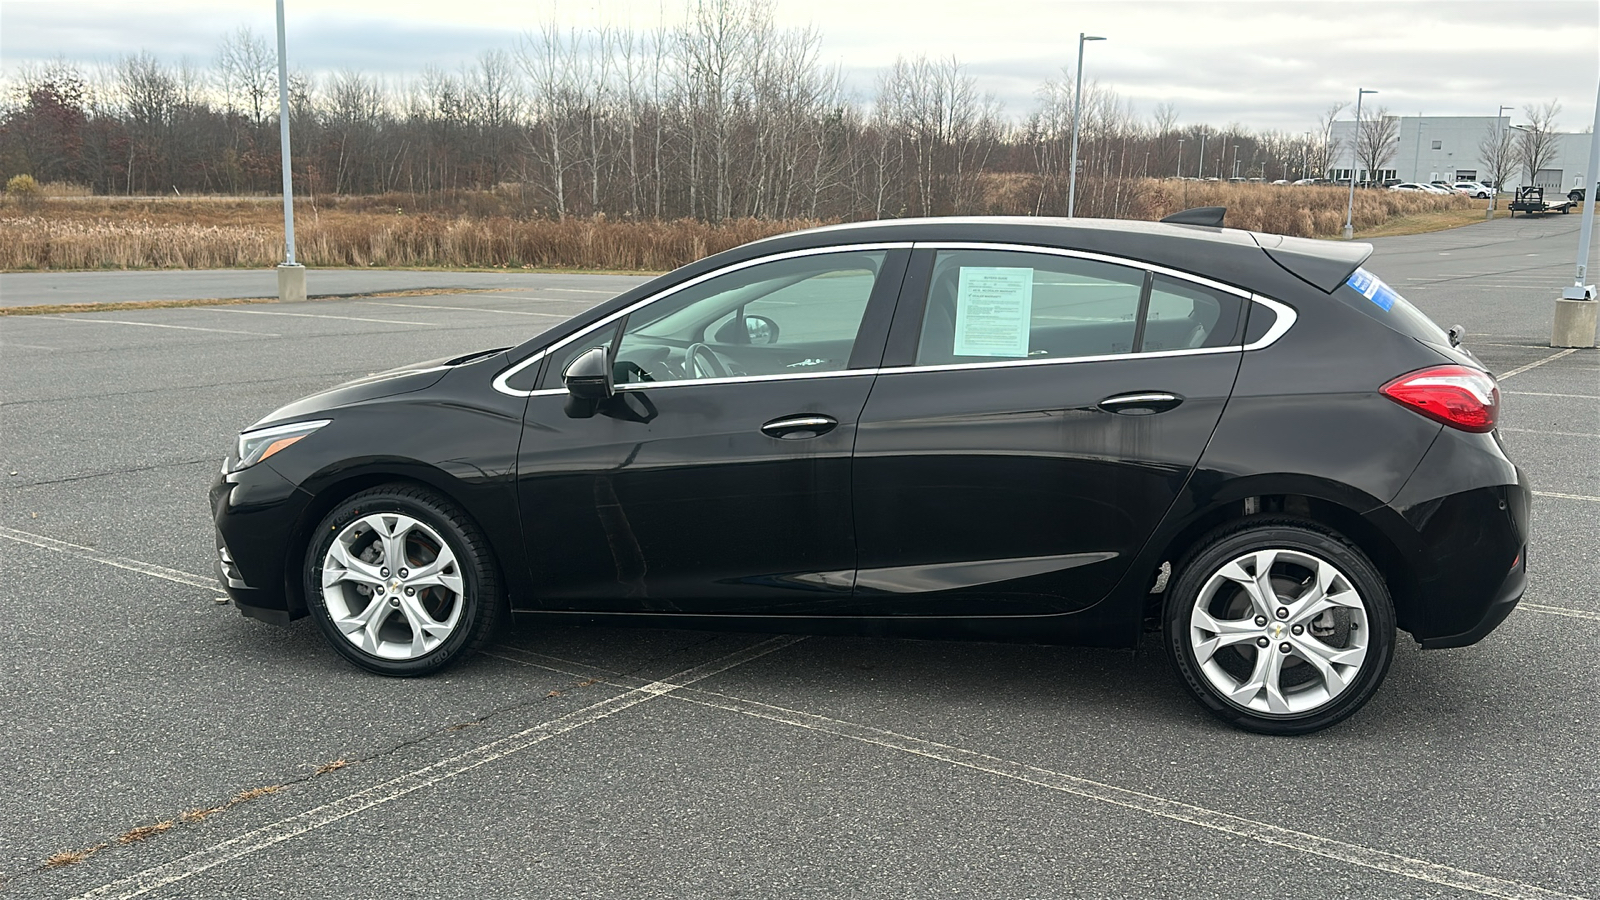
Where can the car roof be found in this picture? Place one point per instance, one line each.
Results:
(1226, 254)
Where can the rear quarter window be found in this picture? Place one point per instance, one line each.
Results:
(1368, 294)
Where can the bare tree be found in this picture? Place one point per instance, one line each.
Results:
(1538, 141)
(1324, 148)
(1497, 150)
(1376, 141)
(247, 74)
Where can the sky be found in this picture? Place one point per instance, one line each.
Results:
(1261, 63)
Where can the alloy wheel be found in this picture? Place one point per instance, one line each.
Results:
(1279, 632)
(392, 586)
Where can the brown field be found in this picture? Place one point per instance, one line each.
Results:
(65, 230)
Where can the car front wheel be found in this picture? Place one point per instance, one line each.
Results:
(401, 581)
(1279, 626)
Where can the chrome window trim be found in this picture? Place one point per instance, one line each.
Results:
(1286, 317)
(1084, 254)
(1285, 321)
(500, 380)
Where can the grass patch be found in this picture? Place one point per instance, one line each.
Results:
(1436, 220)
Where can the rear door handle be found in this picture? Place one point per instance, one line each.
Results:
(1144, 403)
(798, 427)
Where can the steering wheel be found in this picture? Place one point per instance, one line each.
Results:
(700, 361)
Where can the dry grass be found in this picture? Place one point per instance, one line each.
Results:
(1307, 211)
(143, 832)
(489, 230)
(188, 234)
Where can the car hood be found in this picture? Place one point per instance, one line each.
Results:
(401, 380)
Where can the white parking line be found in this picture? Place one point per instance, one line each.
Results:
(1534, 365)
(27, 346)
(87, 321)
(1583, 434)
(1138, 801)
(508, 312)
(121, 562)
(1560, 610)
(259, 312)
(1542, 394)
(1566, 496)
(328, 813)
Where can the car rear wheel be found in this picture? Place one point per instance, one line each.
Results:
(1279, 626)
(401, 581)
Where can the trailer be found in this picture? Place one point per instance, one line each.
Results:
(1530, 201)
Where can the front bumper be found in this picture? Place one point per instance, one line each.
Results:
(256, 512)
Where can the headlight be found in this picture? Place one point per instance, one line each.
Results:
(255, 446)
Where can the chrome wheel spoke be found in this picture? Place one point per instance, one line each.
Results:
(392, 529)
(347, 568)
(1336, 665)
(363, 627)
(442, 572)
(1264, 683)
(1263, 598)
(1222, 633)
(426, 631)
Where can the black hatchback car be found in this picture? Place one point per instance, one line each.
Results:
(1010, 429)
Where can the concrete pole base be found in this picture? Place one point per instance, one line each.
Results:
(292, 284)
(1575, 323)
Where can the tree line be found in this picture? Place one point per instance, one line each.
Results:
(724, 116)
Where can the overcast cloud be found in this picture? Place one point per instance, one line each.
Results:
(1262, 63)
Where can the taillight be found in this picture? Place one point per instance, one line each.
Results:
(1458, 396)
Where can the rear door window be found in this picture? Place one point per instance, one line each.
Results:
(1183, 315)
(994, 305)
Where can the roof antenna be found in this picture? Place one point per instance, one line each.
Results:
(1209, 216)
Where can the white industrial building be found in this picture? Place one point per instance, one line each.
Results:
(1445, 148)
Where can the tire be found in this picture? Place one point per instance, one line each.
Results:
(442, 601)
(1322, 660)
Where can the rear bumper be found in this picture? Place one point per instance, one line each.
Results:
(1460, 526)
(1504, 602)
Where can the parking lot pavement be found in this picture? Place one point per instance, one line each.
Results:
(646, 763)
(50, 288)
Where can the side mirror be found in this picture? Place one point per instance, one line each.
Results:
(752, 330)
(761, 329)
(589, 382)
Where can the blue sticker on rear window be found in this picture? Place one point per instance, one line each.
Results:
(1372, 287)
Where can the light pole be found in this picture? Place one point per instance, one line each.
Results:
(1200, 170)
(1355, 154)
(1416, 153)
(1179, 173)
(1077, 108)
(1236, 160)
(1499, 149)
(291, 275)
(1578, 310)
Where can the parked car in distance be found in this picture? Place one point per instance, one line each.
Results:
(1475, 189)
(1576, 195)
(1410, 186)
(1022, 429)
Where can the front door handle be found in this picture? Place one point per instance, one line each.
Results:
(798, 427)
(1144, 403)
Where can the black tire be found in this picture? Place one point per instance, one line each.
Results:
(459, 620)
(1310, 694)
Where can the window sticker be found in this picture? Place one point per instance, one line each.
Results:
(1372, 287)
(993, 306)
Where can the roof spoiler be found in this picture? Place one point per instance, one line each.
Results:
(1322, 264)
(1209, 216)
